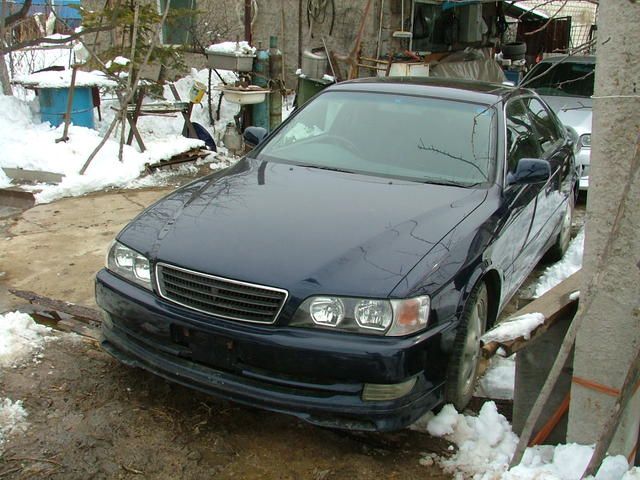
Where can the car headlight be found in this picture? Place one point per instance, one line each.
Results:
(364, 315)
(129, 264)
(585, 140)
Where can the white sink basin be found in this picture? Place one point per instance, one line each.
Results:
(244, 96)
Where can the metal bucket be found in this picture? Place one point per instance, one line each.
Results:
(53, 106)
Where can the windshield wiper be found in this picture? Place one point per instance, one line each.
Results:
(324, 167)
(449, 183)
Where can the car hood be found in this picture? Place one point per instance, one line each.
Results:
(300, 228)
(572, 111)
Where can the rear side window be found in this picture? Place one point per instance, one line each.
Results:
(521, 136)
(544, 124)
(564, 79)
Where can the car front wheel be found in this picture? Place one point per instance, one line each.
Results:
(464, 363)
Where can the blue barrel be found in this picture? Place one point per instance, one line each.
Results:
(53, 106)
(512, 76)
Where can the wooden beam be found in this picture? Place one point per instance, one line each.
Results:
(554, 304)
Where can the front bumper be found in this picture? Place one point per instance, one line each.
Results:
(317, 376)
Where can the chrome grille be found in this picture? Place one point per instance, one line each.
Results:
(219, 296)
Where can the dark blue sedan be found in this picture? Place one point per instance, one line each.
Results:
(345, 269)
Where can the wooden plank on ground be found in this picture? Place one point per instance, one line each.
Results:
(87, 315)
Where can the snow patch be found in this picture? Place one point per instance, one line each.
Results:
(559, 271)
(28, 143)
(62, 79)
(12, 419)
(486, 444)
(499, 379)
(20, 336)
(121, 61)
(233, 48)
(4, 180)
(514, 327)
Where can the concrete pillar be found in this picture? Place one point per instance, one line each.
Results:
(610, 335)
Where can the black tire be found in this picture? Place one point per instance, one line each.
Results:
(464, 362)
(514, 51)
(561, 245)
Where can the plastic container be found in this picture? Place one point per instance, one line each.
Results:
(53, 106)
(405, 69)
(230, 61)
(314, 64)
(197, 91)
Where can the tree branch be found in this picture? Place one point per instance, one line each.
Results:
(56, 41)
(20, 14)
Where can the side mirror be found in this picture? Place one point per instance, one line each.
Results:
(254, 135)
(530, 170)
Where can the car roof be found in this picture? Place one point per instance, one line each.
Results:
(454, 89)
(587, 59)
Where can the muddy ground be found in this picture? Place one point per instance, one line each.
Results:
(93, 418)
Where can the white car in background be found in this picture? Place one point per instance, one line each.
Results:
(566, 84)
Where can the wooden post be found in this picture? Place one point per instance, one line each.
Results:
(247, 21)
(67, 114)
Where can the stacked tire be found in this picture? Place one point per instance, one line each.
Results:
(514, 51)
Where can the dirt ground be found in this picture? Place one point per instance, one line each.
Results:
(93, 418)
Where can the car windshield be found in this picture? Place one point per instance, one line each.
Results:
(562, 79)
(415, 138)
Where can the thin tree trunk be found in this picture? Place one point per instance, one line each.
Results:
(4, 73)
(4, 76)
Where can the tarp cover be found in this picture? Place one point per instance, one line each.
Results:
(486, 70)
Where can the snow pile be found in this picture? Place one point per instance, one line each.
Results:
(4, 180)
(232, 48)
(559, 271)
(19, 337)
(12, 419)
(499, 379)
(62, 79)
(486, 444)
(514, 327)
(27, 143)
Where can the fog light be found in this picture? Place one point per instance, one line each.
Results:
(377, 392)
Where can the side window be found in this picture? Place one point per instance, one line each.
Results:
(521, 137)
(544, 123)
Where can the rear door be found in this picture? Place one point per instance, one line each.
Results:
(556, 150)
